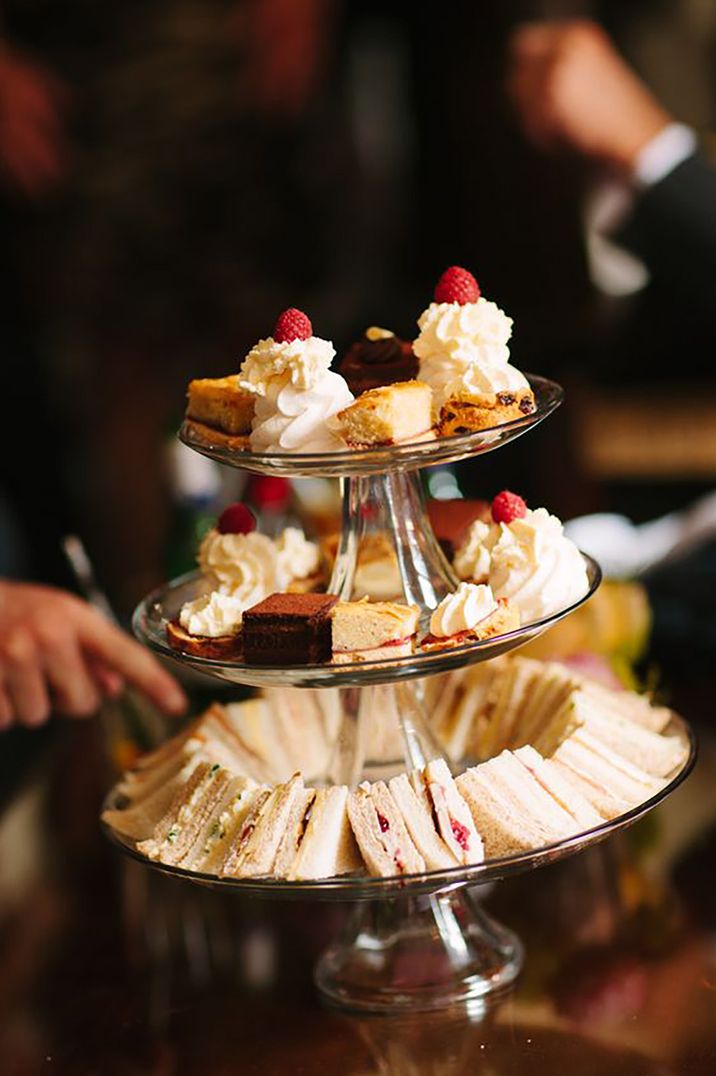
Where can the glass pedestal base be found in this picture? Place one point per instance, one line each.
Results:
(412, 954)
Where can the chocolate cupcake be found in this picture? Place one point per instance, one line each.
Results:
(379, 358)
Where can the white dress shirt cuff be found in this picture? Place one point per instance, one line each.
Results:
(614, 270)
(663, 154)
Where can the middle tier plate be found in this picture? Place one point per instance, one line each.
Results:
(163, 604)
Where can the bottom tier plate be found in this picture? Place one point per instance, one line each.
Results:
(362, 888)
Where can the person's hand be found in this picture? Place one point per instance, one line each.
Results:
(58, 654)
(33, 148)
(573, 90)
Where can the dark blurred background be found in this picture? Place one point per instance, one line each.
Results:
(174, 172)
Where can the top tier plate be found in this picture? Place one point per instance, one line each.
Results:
(405, 457)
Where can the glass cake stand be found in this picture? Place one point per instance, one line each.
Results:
(416, 942)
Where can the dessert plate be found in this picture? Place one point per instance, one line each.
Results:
(163, 604)
(362, 887)
(361, 461)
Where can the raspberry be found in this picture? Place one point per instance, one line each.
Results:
(293, 324)
(236, 519)
(456, 285)
(508, 506)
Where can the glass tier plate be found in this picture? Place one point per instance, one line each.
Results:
(548, 396)
(164, 603)
(354, 887)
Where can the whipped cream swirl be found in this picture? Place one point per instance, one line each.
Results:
(296, 394)
(460, 339)
(462, 610)
(241, 570)
(532, 563)
(240, 564)
(296, 557)
(212, 615)
(291, 419)
(300, 362)
(472, 558)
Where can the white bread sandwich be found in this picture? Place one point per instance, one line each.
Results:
(520, 785)
(610, 782)
(191, 805)
(456, 702)
(235, 824)
(629, 704)
(381, 834)
(255, 852)
(452, 815)
(558, 727)
(505, 705)
(139, 817)
(294, 830)
(253, 722)
(504, 823)
(298, 728)
(548, 693)
(328, 847)
(213, 737)
(226, 800)
(652, 752)
(418, 817)
(567, 795)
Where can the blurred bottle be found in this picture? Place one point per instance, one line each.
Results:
(196, 494)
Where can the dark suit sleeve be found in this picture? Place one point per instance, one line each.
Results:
(673, 229)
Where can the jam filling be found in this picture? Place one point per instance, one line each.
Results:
(246, 832)
(383, 822)
(461, 834)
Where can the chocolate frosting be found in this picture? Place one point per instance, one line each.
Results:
(370, 363)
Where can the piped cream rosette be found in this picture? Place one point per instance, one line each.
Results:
(297, 394)
(529, 561)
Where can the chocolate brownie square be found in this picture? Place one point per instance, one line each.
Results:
(288, 629)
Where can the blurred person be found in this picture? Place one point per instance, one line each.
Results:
(654, 197)
(653, 192)
(59, 655)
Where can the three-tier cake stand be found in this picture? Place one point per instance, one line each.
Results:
(417, 941)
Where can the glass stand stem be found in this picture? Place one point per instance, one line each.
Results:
(383, 731)
(387, 547)
(387, 550)
(418, 953)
